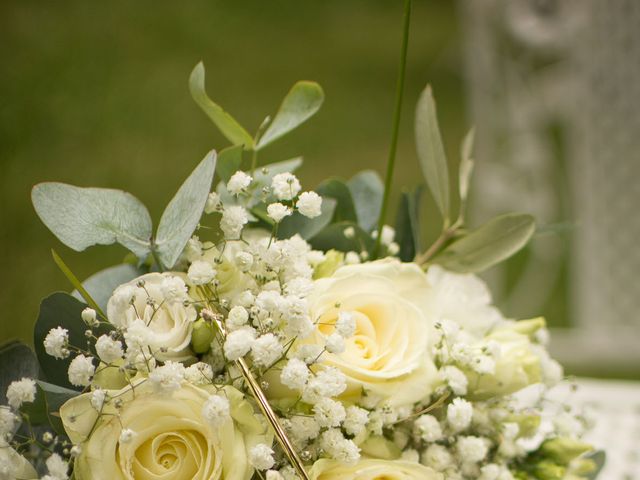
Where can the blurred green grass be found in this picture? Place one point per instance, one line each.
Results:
(95, 94)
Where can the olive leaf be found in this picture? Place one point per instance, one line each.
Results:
(301, 103)
(408, 224)
(339, 191)
(81, 217)
(181, 217)
(489, 244)
(367, 192)
(228, 125)
(433, 160)
(466, 165)
(229, 162)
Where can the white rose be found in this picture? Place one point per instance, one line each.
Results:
(169, 322)
(372, 469)
(388, 355)
(154, 436)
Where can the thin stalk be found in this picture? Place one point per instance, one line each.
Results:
(396, 124)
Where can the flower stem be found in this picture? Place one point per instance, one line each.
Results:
(396, 124)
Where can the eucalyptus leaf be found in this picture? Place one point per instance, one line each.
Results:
(339, 191)
(183, 213)
(431, 151)
(16, 361)
(302, 102)
(367, 191)
(408, 224)
(102, 284)
(228, 125)
(307, 227)
(229, 162)
(491, 243)
(49, 399)
(333, 237)
(60, 310)
(82, 217)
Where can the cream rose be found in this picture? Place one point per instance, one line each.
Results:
(372, 469)
(169, 322)
(389, 354)
(170, 439)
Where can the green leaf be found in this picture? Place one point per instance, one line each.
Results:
(489, 244)
(228, 125)
(49, 399)
(229, 162)
(16, 361)
(183, 213)
(307, 227)
(302, 102)
(333, 237)
(60, 310)
(82, 292)
(599, 458)
(408, 224)
(367, 191)
(339, 191)
(466, 165)
(100, 286)
(82, 217)
(431, 151)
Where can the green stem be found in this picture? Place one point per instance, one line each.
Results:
(396, 125)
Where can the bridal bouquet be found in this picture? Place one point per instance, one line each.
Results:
(267, 331)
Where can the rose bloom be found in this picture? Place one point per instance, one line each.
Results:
(389, 354)
(171, 438)
(169, 325)
(372, 469)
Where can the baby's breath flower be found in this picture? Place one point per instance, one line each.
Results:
(277, 211)
(329, 413)
(285, 186)
(239, 342)
(201, 272)
(427, 428)
(89, 317)
(295, 374)
(238, 182)
(216, 410)
(338, 447)
(55, 343)
(437, 457)
(459, 414)
(98, 397)
(57, 467)
(81, 370)
(455, 378)
(213, 203)
(266, 350)
(234, 218)
(167, 378)
(309, 204)
(21, 391)
(199, 373)
(355, 420)
(126, 435)
(334, 343)
(108, 349)
(472, 449)
(261, 457)
(346, 324)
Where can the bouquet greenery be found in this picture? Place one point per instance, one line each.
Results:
(264, 331)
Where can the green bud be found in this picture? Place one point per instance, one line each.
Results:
(333, 259)
(562, 450)
(528, 327)
(201, 336)
(528, 424)
(546, 470)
